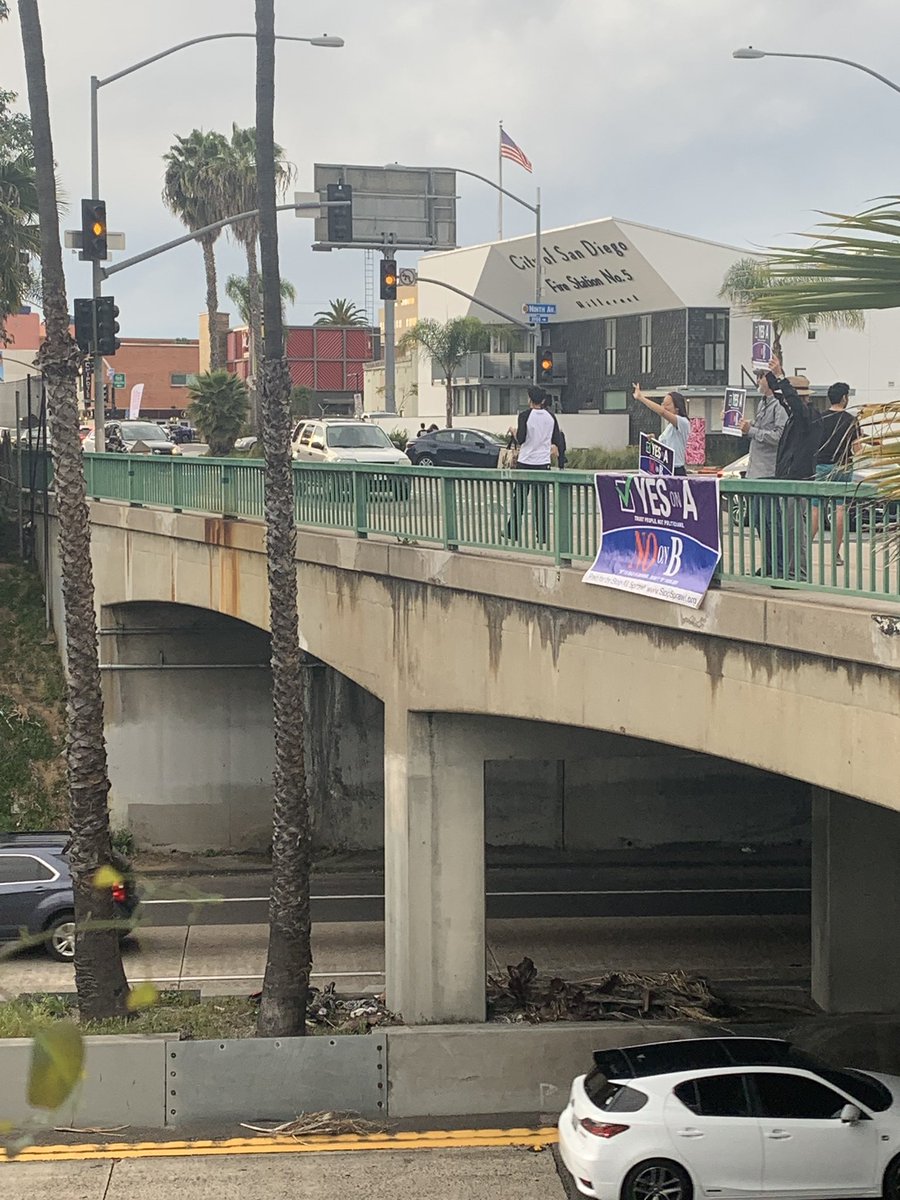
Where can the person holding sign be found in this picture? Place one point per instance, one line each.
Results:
(676, 426)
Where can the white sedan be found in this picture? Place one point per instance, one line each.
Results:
(730, 1117)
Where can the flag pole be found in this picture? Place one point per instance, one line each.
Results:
(500, 181)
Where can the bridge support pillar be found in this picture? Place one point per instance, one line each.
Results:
(434, 869)
(855, 905)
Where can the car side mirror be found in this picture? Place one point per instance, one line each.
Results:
(480, 445)
(850, 1114)
(317, 445)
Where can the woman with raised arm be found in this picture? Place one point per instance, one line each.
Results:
(676, 426)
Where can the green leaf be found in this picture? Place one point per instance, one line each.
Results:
(57, 1058)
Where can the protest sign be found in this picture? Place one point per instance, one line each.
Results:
(655, 458)
(763, 339)
(659, 536)
(733, 414)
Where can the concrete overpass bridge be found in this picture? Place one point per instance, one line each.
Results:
(495, 653)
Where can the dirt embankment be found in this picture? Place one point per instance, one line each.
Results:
(32, 706)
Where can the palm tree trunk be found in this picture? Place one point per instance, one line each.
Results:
(282, 1009)
(99, 977)
(449, 384)
(256, 337)
(216, 348)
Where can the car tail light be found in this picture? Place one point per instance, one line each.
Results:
(602, 1129)
(119, 893)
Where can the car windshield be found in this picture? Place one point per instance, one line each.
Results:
(354, 437)
(142, 431)
(488, 437)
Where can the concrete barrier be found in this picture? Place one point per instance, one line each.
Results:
(447, 1070)
(124, 1083)
(247, 1079)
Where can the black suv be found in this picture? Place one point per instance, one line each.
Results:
(36, 891)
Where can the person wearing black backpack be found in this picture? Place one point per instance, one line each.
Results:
(840, 435)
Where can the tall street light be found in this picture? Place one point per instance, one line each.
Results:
(96, 84)
(752, 52)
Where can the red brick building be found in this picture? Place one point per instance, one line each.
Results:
(328, 359)
(163, 366)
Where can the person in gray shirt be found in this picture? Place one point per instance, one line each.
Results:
(764, 432)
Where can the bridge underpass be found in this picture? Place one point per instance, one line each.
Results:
(752, 678)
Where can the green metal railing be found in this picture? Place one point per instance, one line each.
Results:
(766, 526)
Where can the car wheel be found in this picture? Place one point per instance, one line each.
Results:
(424, 460)
(657, 1179)
(890, 1188)
(60, 937)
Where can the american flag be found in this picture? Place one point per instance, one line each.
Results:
(509, 149)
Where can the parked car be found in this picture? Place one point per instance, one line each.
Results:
(455, 448)
(36, 891)
(337, 441)
(729, 1116)
(139, 437)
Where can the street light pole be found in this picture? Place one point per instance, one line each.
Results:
(97, 273)
(752, 52)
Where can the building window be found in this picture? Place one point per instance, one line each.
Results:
(178, 379)
(715, 342)
(609, 361)
(646, 344)
(615, 401)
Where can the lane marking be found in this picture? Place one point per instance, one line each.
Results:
(622, 892)
(435, 1139)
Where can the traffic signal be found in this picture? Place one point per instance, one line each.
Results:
(544, 361)
(84, 324)
(93, 230)
(107, 325)
(340, 220)
(388, 279)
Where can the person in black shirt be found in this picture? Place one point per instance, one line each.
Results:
(834, 459)
(795, 460)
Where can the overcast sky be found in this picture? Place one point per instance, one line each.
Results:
(631, 108)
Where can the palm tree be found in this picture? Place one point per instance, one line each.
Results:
(341, 312)
(852, 264)
(19, 233)
(218, 408)
(194, 191)
(748, 286)
(240, 179)
(237, 289)
(447, 345)
(282, 1009)
(99, 977)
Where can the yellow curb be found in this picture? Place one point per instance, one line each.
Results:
(436, 1139)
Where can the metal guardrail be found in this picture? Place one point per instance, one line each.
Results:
(766, 525)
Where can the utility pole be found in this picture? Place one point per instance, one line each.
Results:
(99, 383)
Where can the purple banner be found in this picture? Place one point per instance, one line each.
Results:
(659, 536)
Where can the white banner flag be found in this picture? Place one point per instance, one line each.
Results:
(134, 406)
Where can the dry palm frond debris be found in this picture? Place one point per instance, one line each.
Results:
(523, 995)
(343, 1014)
(319, 1124)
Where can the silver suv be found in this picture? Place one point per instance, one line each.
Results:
(337, 441)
